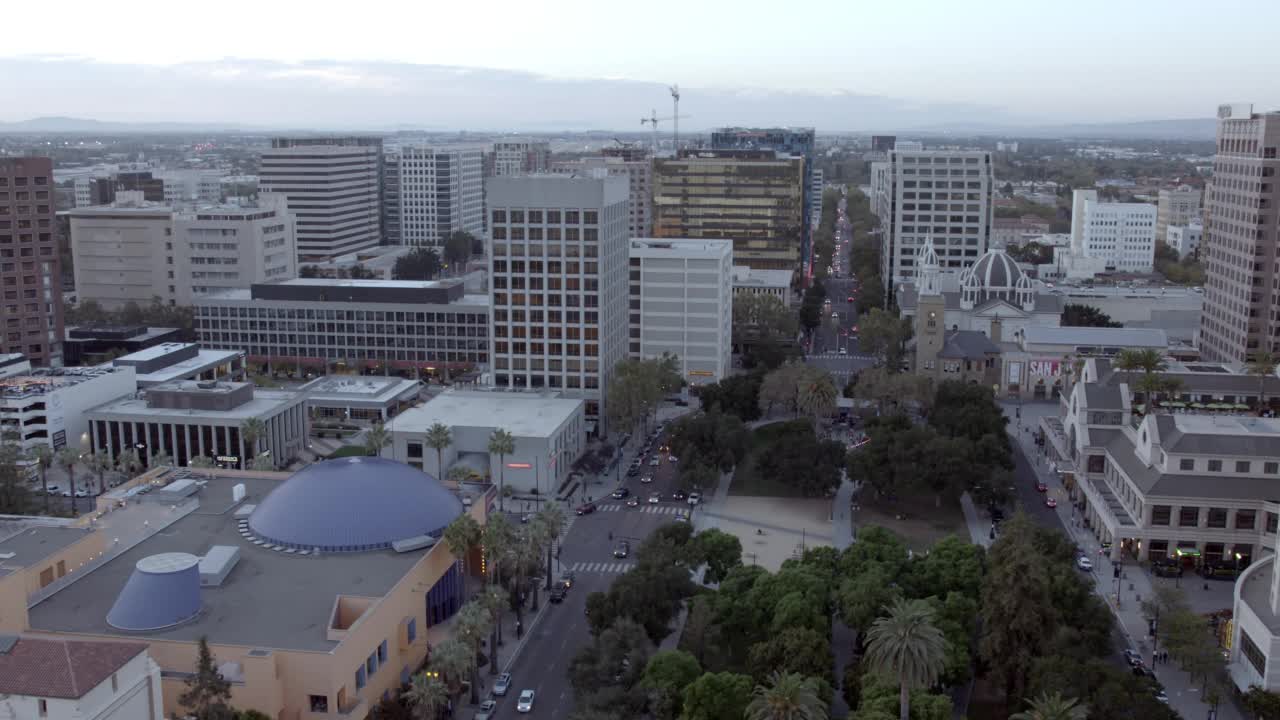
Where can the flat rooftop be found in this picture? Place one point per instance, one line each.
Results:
(94, 332)
(365, 388)
(204, 360)
(43, 380)
(270, 599)
(1122, 337)
(33, 544)
(347, 282)
(521, 414)
(681, 247)
(264, 403)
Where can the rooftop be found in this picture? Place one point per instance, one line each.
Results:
(43, 380)
(204, 360)
(301, 590)
(746, 276)
(1126, 337)
(349, 388)
(680, 246)
(33, 544)
(60, 668)
(521, 414)
(264, 404)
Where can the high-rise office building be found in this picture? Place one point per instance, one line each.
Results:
(431, 192)
(753, 197)
(558, 284)
(518, 157)
(333, 188)
(1114, 236)
(1176, 207)
(29, 264)
(1241, 238)
(636, 165)
(939, 195)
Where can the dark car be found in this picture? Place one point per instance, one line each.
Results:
(568, 579)
(678, 495)
(633, 471)
(586, 508)
(622, 549)
(620, 493)
(557, 593)
(1133, 658)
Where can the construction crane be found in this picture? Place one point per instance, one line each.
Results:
(653, 120)
(675, 114)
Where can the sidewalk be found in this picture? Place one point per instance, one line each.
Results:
(1135, 582)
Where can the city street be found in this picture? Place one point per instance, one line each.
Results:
(835, 342)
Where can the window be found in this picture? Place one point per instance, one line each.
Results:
(414, 450)
(413, 629)
(1217, 517)
(382, 652)
(1215, 466)
(115, 683)
(360, 677)
(1188, 516)
(1251, 651)
(1187, 464)
(1242, 466)
(319, 703)
(1271, 468)
(42, 707)
(1273, 521)
(1161, 515)
(1245, 519)
(1097, 463)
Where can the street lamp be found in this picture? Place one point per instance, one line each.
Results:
(1238, 558)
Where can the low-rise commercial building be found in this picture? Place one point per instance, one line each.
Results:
(189, 419)
(312, 325)
(48, 406)
(169, 362)
(550, 433)
(749, 281)
(359, 399)
(682, 305)
(63, 679)
(96, 344)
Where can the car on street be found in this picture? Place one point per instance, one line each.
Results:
(844, 351)
(633, 501)
(1050, 502)
(646, 479)
(502, 684)
(1041, 487)
(1132, 657)
(654, 498)
(672, 458)
(678, 495)
(557, 593)
(1084, 563)
(586, 508)
(54, 490)
(622, 549)
(633, 471)
(524, 704)
(655, 461)
(568, 578)
(524, 519)
(620, 493)
(695, 498)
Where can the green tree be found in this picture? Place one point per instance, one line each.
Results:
(68, 458)
(43, 456)
(99, 464)
(952, 565)
(788, 696)
(709, 438)
(376, 438)
(129, 463)
(1262, 704)
(737, 395)
(502, 444)
(208, 694)
(1052, 707)
(14, 497)
(547, 524)
(721, 551)
(439, 436)
(454, 661)
(1076, 315)
(457, 247)
(816, 394)
(800, 650)
(906, 645)
(717, 696)
(884, 335)
(1263, 366)
(1149, 361)
(202, 462)
(427, 696)
(460, 536)
(863, 597)
(471, 625)
(251, 430)
(420, 263)
(667, 675)
(879, 699)
(701, 637)
(639, 386)
(761, 319)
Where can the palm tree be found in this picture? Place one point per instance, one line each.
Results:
(789, 696)
(100, 464)
(439, 437)
(129, 463)
(1053, 707)
(250, 431)
(527, 557)
(907, 645)
(816, 394)
(67, 459)
(1263, 365)
(376, 438)
(494, 601)
(1150, 361)
(472, 625)
(460, 473)
(43, 457)
(460, 536)
(161, 459)
(496, 537)
(427, 696)
(501, 444)
(453, 660)
(549, 521)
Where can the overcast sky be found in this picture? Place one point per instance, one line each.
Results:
(1025, 60)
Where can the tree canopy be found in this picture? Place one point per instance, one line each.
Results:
(1076, 315)
(420, 263)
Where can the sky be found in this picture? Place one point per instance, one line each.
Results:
(1020, 61)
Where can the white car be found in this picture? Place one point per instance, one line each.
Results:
(655, 498)
(502, 684)
(695, 498)
(1084, 563)
(672, 458)
(525, 702)
(646, 479)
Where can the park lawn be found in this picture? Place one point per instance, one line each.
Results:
(924, 522)
(348, 451)
(746, 481)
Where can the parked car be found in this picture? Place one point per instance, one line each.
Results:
(1132, 657)
(502, 684)
(557, 593)
(695, 498)
(586, 508)
(524, 704)
(568, 578)
(633, 471)
(1084, 563)
(672, 458)
(622, 549)
(1050, 502)
(620, 493)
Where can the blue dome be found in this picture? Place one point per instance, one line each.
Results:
(354, 504)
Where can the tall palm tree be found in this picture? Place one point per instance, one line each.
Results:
(439, 437)
(1150, 361)
(472, 624)
(816, 394)
(789, 696)
(460, 536)
(251, 430)
(1053, 707)
(496, 537)
(495, 602)
(376, 438)
(1263, 366)
(100, 464)
(427, 696)
(161, 459)
(549, 521)
(907, 645)
(501, 444)
(129, 463)
(43, 457)
(453, 660)
(67, 459)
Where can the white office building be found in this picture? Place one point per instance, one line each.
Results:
(183, 187)
(518, 157)
(751, 281)
(637, 167)
(559, 283)
(333, 189)
(943, 196)
(550, 432)
(1185, 238)
(1176, 207)
(432, 192)
(682, 304)
(1118, 236)
(56, 679)
(133, 250)
(47, 406)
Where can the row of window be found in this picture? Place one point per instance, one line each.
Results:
(549, 217)
(1241, 466)
(474, 318)
(1189, 516)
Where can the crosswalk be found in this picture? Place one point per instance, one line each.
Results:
(652, 509)
(602, 567)
(838, 356)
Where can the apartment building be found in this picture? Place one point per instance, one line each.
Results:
(431, 192)
(1180, 206)
(518, 157)
(636, 165)
(559, 284)
(135, 250)
(62, 679)
(1113, 236)
(29, 266)
(754, 197)
(1185, 239)
(682, 304)
(942, 196)
(420, 327)
(333, 187)
(1241, 237)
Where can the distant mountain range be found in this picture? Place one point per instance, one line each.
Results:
(1189, 129)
